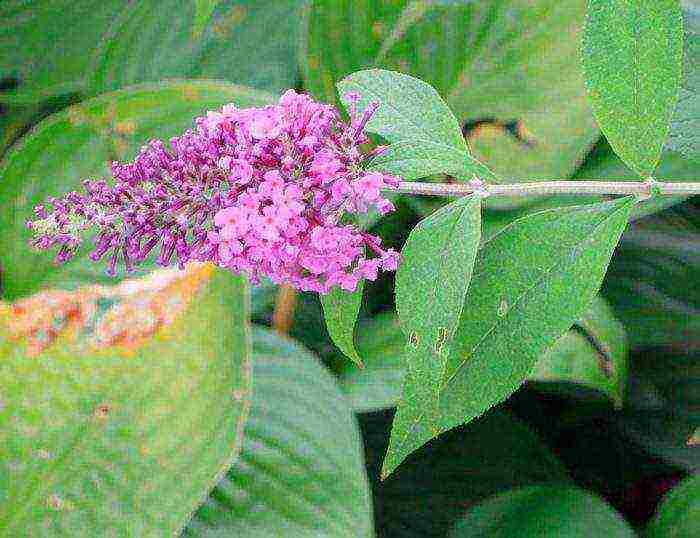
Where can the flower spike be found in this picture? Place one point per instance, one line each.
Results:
(259, 191)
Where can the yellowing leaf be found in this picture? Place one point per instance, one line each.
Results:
(109, 396)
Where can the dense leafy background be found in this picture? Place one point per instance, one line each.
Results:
(610, 408)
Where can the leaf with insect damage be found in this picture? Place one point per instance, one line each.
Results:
(431, 283)
(532, 281)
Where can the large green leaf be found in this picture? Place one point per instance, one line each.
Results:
(17, 120)
(96, 439)
(431, 282)
(542, 511)
(679, 513)
(632, 58)
(203, 10)
(532, 282)
(340, 310)
(447, 476)
(592, 355)
(234, 44)
(506, 60)
(301, 470)
(48, 45)
(56, 47)
(79, 143)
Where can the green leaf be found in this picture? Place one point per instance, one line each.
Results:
(414, 159)
(301, 470)
(502, 60)
(632, 58)
(455, 471)
(536, 511)
(595, 345)
(431, 282)
(685, 124)
(79, 143)
(235, 44)
(203, 10)
(96, 439)
(340, 309)
(97, 46)
(679, 513)
(48, 46)
(593, 354)
(408, 108)
(532, 282)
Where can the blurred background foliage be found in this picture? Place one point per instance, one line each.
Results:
(613, 408)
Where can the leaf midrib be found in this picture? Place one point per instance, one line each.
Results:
(549, 271)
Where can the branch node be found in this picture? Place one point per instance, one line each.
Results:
(651, 191)
(480, 188)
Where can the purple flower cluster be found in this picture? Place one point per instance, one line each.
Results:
(259, 191)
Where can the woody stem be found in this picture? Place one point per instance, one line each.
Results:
(645, 188)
